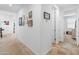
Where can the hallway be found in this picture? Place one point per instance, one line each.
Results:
(9, 45)
(29, 29)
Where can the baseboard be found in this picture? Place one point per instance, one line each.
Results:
(45, 53)
(34, 52)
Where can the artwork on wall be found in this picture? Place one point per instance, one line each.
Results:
(13, 27)
(6, 22)
(30, 15)
(30, 21)
(46, 16)
(21, 21)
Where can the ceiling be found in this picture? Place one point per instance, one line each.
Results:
(68, 6)
(17, 7)
(13, 7)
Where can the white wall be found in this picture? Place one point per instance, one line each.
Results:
(60, 27)
(65, 27)
(30, 36)
(38, 38)
(77, 26)
(7, 16)
(47, 29)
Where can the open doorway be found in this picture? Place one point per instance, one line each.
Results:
(70, 29)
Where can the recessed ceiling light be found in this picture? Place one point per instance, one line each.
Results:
(10, 5)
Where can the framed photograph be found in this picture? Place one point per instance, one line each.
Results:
(30, 20)
(30, 15)
(20, 21)
(30, 23)
(6, 22)
(23, 20)
(46, 16)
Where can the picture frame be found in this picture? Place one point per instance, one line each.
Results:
(30, 15)
(6, 22)
(30, 23)
(20, 21)
(46, 16)
(23, 19)
(30, 20)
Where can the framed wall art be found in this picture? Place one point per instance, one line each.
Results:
(6, 22)
(30, 15)
(30, 20)
(46, 16)
(20, 21)
(23, 20)
(30, 23)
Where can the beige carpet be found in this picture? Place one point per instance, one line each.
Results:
(9, 45)
(68, 47)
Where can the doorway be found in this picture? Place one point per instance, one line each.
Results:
(70, 26)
